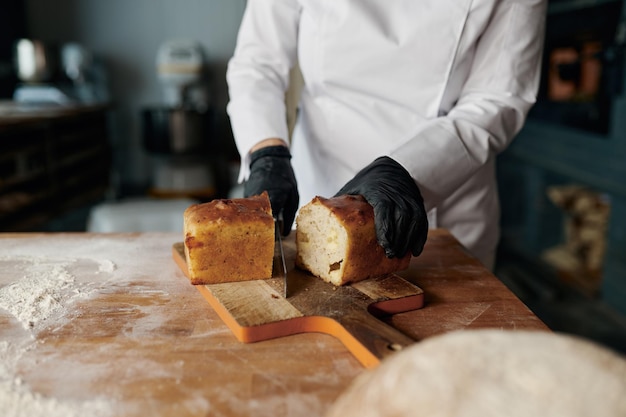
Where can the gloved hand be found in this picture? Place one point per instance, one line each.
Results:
(271, 171)
(400, 216)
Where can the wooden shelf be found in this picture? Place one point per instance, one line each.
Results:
(50, 163)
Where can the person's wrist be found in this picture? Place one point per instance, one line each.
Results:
(268, 142)
(275, 151)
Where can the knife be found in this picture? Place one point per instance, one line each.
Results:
(280, 267)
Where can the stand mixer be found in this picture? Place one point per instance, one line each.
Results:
(176, 133)
(180, 67)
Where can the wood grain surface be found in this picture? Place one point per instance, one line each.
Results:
(131, 337)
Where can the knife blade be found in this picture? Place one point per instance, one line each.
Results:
(280, 267)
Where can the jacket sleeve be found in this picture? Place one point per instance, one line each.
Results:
(258, 73)
(491, 108)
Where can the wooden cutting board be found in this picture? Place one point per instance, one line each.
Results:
(256, 310)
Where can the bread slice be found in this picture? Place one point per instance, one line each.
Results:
(336, 241)
(229, 240)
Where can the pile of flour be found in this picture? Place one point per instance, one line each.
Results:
(38, 298)
(42, 292)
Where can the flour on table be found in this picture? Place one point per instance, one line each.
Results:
(45, 289)
(41, 282)
(40, 296)
(106, 265)
(16, 400)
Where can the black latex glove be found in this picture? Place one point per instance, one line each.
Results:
(400, 216)
(271, 171)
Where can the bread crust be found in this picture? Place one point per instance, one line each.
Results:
(228, 240)
(363, 257)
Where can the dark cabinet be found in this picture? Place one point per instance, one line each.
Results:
(51, 162)
(12, 27)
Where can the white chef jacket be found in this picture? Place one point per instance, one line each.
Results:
(441, 86)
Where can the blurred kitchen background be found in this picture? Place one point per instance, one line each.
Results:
(113, 118)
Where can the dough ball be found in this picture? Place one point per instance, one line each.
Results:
(483, 373)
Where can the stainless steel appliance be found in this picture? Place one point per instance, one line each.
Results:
(176, 132)
(60, 75)
(35, 61)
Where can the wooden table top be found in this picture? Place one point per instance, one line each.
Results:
(107, 325)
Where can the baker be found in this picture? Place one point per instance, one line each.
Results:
(405, 102)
